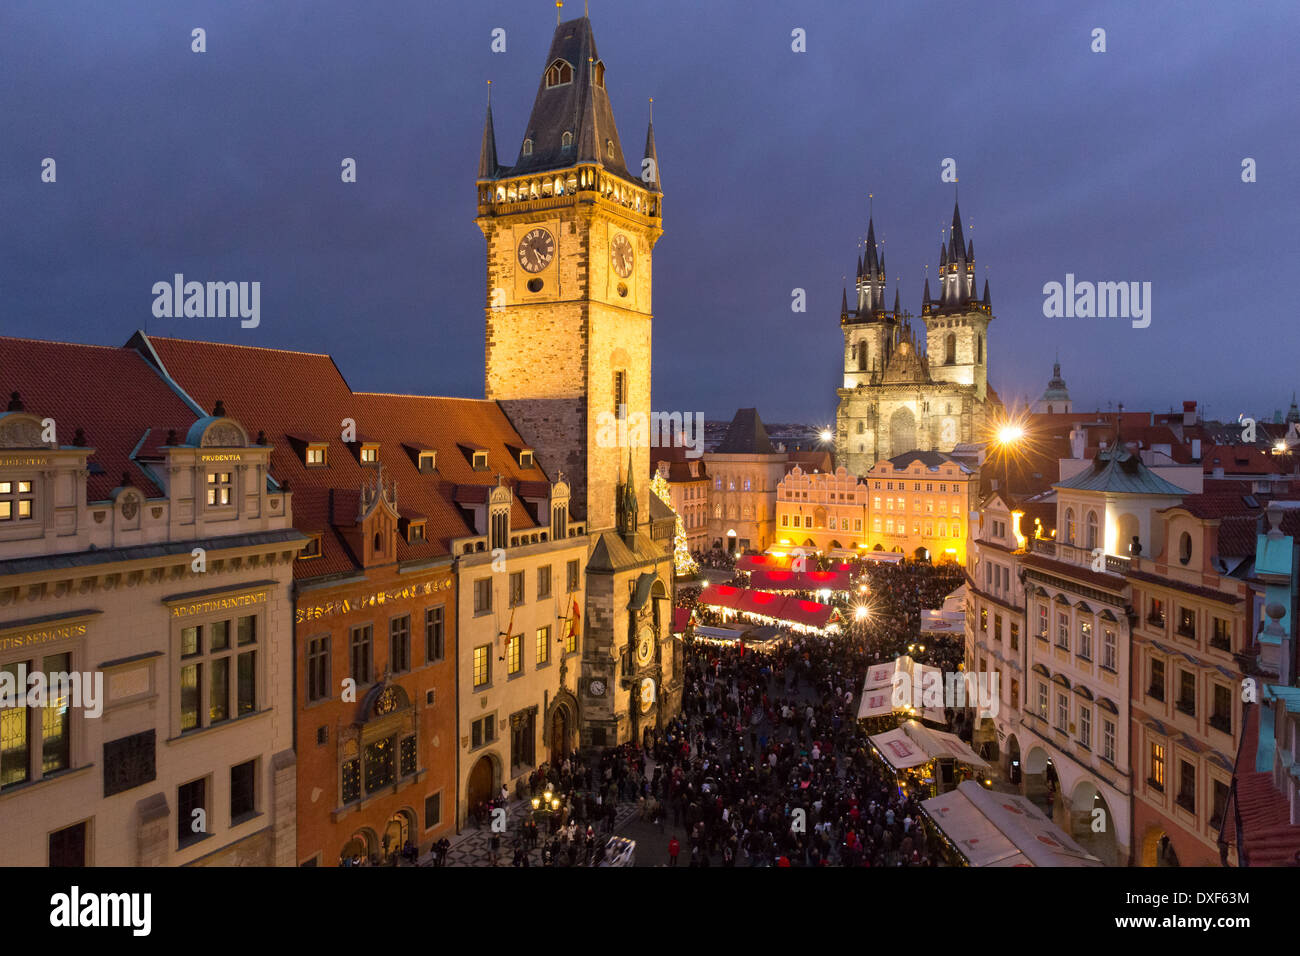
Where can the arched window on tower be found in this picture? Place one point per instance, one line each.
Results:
(566, 141)
(979, 350)
(950, 349)
(862, 356)
(598, 74)
(528, 147)
(559, 73)
(861, 428)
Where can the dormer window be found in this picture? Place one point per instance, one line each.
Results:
(558, 74)
(428, 461)
(598, 74)
(479, 461)
(16, 499)
(415, 532)
(316, 456)
(528, 147)
(311, 549)
(370, 454)
(525, 458)
(220, 484)
(566, 141)
(609, 149)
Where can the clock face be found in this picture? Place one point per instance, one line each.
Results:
(645, 646)
(536, 250)
(597, 688)
(647, 695)
(620, 253)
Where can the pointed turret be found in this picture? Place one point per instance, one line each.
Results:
(844, 303)
(956, 226)
(897, 311)
(987, 301)
(487, 156)
(925, 297)
(650, 164)
(871, 260)
(627, 510)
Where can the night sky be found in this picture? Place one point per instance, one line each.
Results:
(1123, 165)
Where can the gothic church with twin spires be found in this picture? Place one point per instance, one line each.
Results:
(906, 389)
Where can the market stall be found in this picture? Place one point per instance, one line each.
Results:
(763, 607)
(980, 827)
(925, 760)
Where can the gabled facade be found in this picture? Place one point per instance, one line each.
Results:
(1192, 630)
(822, 511)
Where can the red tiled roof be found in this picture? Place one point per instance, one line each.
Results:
(1240, 460)
(111, 394)
(1216, 505)
(299, 395)
(1269, 838)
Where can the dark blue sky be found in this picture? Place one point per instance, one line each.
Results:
(225, 165)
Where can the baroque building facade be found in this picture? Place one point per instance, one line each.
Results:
(902, 391)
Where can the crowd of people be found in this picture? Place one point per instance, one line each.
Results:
(767, 763)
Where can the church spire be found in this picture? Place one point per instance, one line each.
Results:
(650, 168)
(956, 227)
(844, 303)
(627, 508)
(487, 156)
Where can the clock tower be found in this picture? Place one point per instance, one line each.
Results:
(571, 228)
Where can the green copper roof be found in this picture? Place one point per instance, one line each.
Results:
(1117, 470)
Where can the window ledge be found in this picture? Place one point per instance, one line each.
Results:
(27, 786)
(214, 728)
(192, 841)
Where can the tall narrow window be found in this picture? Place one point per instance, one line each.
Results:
(620, 394)
(360, 651)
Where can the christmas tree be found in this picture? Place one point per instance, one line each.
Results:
(683, 563)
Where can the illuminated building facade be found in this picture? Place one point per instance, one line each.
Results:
(143, 543)
(899, 393)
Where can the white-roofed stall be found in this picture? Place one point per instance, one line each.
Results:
(986, 828)
(926, 760)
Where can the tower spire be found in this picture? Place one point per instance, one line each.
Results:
(487, 157)
(651, 169)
